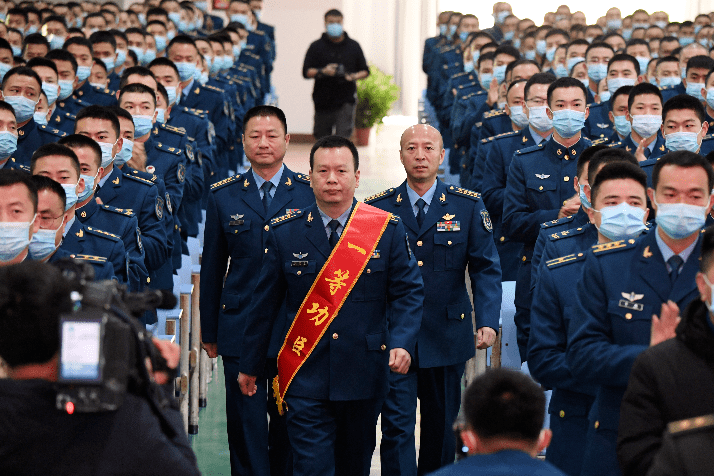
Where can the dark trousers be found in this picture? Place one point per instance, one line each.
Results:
(332, 437)
(567, 448)
(439, 393)
(600, 453)
(339, 122)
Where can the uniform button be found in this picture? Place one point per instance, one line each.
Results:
(224, 306)
(562, 414)
(628, 316)
(462, 316)
(503, 238)
(524, 258)
(540, 188)
(449, 242)
(419, 243)
(420, 263)
(567, 158)
(266, 250)
(564, 202)
(597, 425)
(383, 347)
(566, 178)
(266, 228)
(335, 336)
(368, 271)
(299, 273)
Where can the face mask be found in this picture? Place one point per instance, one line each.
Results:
(16, 50)
(462, 36)
(442, 30)
(186, 70)
(239, 18)
(70, 191)
(622, 125)
(614, 84)
(161, 42)
(614, 24)
(695, 90)
(4, 68)
(88, 186)
(183, 27)
(680, 220)
(499, 72)
(517, 43)
(171, 92)
(468, 66)
(14, 238)
(149, 56)
(568, 122)
(681, 141)
(584, 198)
(160, 116)
(30, 29)
(561, 71)
(597, 71)
(204, 78)
(24, 108)
(627, 34)
(334, 30)
(142, 125)
(508, 36)
(710, 97)
(121, 58)
(640, 25)
(51, 91)
(83, 72)
(501, 105)
(530, 55)
(538, 119)
(643, 63)
(40, 118)
(227, 62)
(683, 72)
(485, 80)
(586, 82)
(500, 17)
(217, 65)
(106, 154)
(66, 88)
(452, 30)
(171, 35)
(550, 54)
(203, 6)
(541, 46)
(109, 63)
(622, 222)
(605, 96)
(124, 155)
(685, 41)
(573, 61)
(197, 74)
(8, 144)
(518, 117)
(98, 85)
(138, 52)
(654, 55)
(236, 51)
(646, 125)
(669, 81)
(56, 42)
(175, 17)
(661, 24)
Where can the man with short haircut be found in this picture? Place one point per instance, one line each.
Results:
(681, 116)
(597, 57)
(34, 46)
(618, 114)
(18, 204)
(503, 427)
(335, 61)
(667, 72)
(46, 69)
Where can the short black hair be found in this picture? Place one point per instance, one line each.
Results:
(667, 59)
(508, 50)
(330, 13)
(10, 177)
(576, 42)
(98, 112)
(21, 71)
(181, 40)
(622, 90)
(538, 78)
(617, 170)
(485, 57)
(62, 55)
(45, 183)
(520, 62)
(558, 31)
(684, 159)
(334, 142)
(505, 403)
(101, 64)
(607, 156)
(640, 90)
(6, 107)
(57, 18)
(5, 45)
(707, 251)
(625, 57)
(637, 41)
(54, 148)
(164, 61)
(140, 70)
(121, 113)
(267, 111)
(160, 89)
(103, 37)
(586, 156)
(78, 141)
(35, 39)
(681, 102)
(33, 295)
(700, 61)
(137, 88)
(81, 41)
(566, 82)
(18, 11)
(42, 61)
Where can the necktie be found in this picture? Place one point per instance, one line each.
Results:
(647, 153)
(674, 263)
(420, 214)
(266, 187)
(334, 237)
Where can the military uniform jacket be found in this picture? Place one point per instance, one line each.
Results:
(647, 165)
(598, 124)
(686, 449)
(213, 102)
(443, 253)
(30, 137)
(62, 120)
(237, 228)
(169, 164)
(501, 463)
(96, 95)
(622, 285)
(103, 269)
(540, 179)
(383, 310)
(87, 240)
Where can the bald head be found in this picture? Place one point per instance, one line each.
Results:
(422, 151)
(421, 130)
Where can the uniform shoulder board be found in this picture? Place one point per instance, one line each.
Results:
(214, 88)
(464, 192)
(90, 258)
(169, 149)
(195, 112)
(460, 74)
(53, 131)
(486, 140)
(70, 116)
(138, 179)
(119, 211)
(613, 246)
(285, 218)
(303, 178)
(224, 182)
(616, 144)
(377, 196)
(559, 221)
(528, 150)
(490, 114)
(102, 233)
(180, 131)
(601, 140)
(567, 233)
(697, 423)
(393, 218)
(665, 88)
(507, 134)
(563, 260)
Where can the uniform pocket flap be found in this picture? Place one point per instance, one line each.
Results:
(230, 301)
(459, 311)
(300, 267)
(449, 239)
(235, 227)
(541, 185)
(377, 341)
(629, 310)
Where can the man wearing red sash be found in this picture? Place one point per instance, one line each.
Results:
(354, 293)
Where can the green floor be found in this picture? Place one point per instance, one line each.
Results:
(211, 443)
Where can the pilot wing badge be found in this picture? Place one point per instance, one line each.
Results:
(542, 176)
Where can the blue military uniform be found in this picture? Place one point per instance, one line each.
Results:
(659, 149)
(501, 463)
(334, 399)
(95, 95)
(236, 228)
(456, 234)
(71, 105)
(598, 124)
(30, 137)
(668, 92)
(87, 240)
(103, 269)
(63, 121)
(622, 285)
(540, 180)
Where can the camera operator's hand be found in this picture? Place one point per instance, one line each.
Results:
(211, 349)
(330, 69)
(171, 353)
(247, 384)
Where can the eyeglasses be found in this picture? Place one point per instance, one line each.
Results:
(48, 222)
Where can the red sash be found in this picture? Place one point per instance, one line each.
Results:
(329, 291)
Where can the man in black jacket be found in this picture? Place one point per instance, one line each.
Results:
(671, 381)
(335, 61)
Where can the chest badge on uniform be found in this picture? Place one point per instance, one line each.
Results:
(236, 219)
(291, 210)
(449, 225)
(375, 254)
(300, 255)
(603, 126)
(629, 301)
(448, 217)
(542, 176)
(300, 262)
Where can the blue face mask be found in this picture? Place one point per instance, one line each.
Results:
(643, 64)
(541, 46)
(83, 72)
(452, 31)
(538, 119)
(462, 35)
(4, 68)
(109, 63)
(239, 18)
(138, 52)
(704, 42)
(485, 80)
(614, 24)
(568, 122)
(161, 42)
(683, 72)
(597, 71)
(550, 54)
(710, 97)
(30, 29)
(14, 238)
(149, 56)
(680, 220)
(56, 42)
(561, 71)
(685, 41)
(170, 35)
(508, 36)
(107, 157)
(171, 92)
(695, 89)
(186, 70)
(8, 144)
(334, 30)
(66, 88)
(88, 186)
(43, 244)
(51, 91)
(627, 33)
(669, 81)
(124, 155)
(216, 65)
(175, 17)
(518, 116)
(573, 61)
(442, 29)
(605, 96)
(24, 108)
(530, 55)
(16, 50)
(160, 115)
(499, 72)
(623, 126)
(646, 125)
(468, 66)
(681, 141)
(517, 43)
(40, 118)
(70, 191)
(622, 222)
(613, 84)
(227, 62)
(121, 58)
(197, 75)
(204, 78)
(142, 125)
(584, 198)
(500, 17)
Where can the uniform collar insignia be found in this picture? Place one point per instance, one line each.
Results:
(632, 297)
(442, 198)
(80, 233)
(289, 182)
(448, 217)
(246, 183)
(399, 198)
(309, 217)
(647, 253)
(116, 181)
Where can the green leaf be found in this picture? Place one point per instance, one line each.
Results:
(375, 96)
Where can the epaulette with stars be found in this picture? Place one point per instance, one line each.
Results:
(224, 182)
(506, 134)
(214, 88)
(667, 88)
(102, 233)
(102, 90)
(567, 233)
(615, 144)
(285, 218)
(169, 149)
(490, 114)
(176, 130)
(691, 424)
(120, 211)
(141, 180)
(377, 196)
(90, 258)
(605, 248)
(194, 112)
(487, 140)
(559, 221)
(303, 178)
(528, 150)
(464, 192)
(53, 131)
(563, 260)
(602, 140)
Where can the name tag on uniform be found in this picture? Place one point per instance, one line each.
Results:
(451, 225)
(235, 222)
(635, 306)
(375, 255)
(298, 264)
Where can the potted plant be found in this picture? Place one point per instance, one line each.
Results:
(375, 96)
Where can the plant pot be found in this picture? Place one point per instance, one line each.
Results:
(362, 136)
